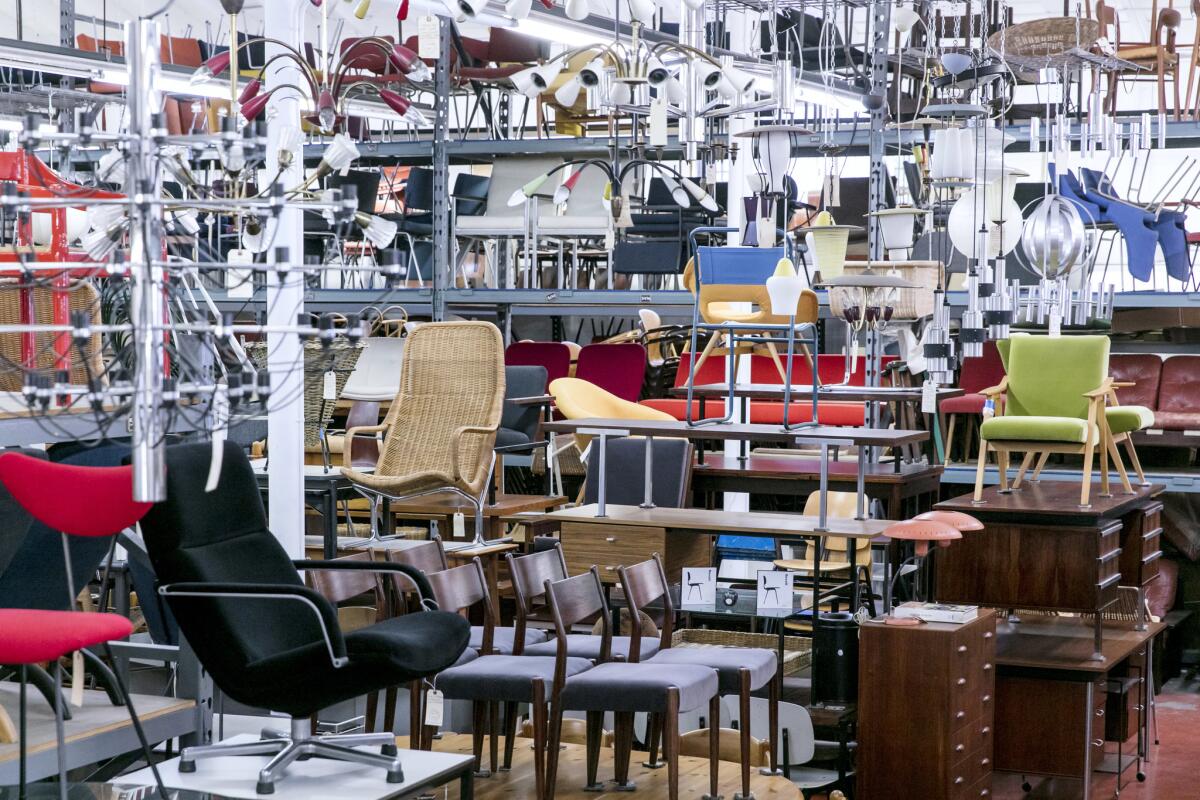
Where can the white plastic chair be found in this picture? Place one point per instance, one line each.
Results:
(797, 740)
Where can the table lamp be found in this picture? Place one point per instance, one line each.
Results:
(921, 532)
(955, 519)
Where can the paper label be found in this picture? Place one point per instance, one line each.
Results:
(429, 37)
(774, 589)
(238, 281)
(329, 389)
(699, 587)
(433, 708)
(1055, 323)
(929, 398)
(658, 121)
(460, 525)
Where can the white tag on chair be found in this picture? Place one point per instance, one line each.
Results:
(429, 37)
(77, 679)
(329, 389)
(929, 397)
(433, 708)
(460, 525)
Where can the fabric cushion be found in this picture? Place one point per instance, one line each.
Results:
(769, 412)
(1143, 370)
(1036, 429)
(503, 638)
(1177, 420)
(507, 678)
(582, 645)
(1123, 419)
(31, 636)
(1180, 387)
(507, 437)
(970, 403)
(1048, 376)
(727, 661)
(639, 687)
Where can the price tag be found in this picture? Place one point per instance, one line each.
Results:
(433, 708)
(240, 286)
(429, 37)
(460, 525)
(929, 397)
(1055, 323)
(658, 121)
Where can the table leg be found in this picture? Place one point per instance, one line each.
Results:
(860, 501)
(816, 607)
(1088, 715)
(823, 490)
(602, 487)
(329, 519)
(493, 581)
(466, 782)
(648, 498)
(855, 594)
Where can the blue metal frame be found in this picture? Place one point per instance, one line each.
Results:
(757, 333)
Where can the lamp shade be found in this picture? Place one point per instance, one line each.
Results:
(578, 9)
(528, 190)
(568, 93)
(701, 196)
(592, 72)
(545, 74)
(563, 192)
(774, 150)
(1053, 237)
(620, 94)
(642, 11)
(708, 74)
(969, 215)
(517, 9)
(471, 8)
(954, 63)
(896, 226)
(955, 519)
(675, 93)
(921, 532)
(253, 107)
(340, 153)
(678, 193)
(828, 245)
(656, 72)
(784, 288)
(523, 82)
(251, 90)
(903, 18)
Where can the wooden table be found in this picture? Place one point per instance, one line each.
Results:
(322, 490)
(443, 507)
(1048, 681)
(797, 476)
(1040, 550)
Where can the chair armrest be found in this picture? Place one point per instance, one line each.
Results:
(414, 575)
(998, 389)
(1123, 384)
(325, 613)
(458, 442)
(1101, 390)
(358, 431)
(537, 400)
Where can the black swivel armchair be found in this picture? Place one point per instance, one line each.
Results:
(268, 640)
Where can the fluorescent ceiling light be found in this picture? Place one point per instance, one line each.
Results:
(544, 26)
(17, 125)
(175, 84)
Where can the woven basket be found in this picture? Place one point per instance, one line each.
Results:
(340, 357)
(797, 651)
(910, 303)
(82, 297)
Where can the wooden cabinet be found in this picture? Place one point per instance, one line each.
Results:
(612, 546)
(926, 710)
(1141, 544)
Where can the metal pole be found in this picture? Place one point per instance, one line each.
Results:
(648, 498)
(881, 15)
(145, 248)
(443, 270)
(285, 299)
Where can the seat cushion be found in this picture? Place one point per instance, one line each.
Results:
(969, 403)
(1124, 419)
(487, 225)
(1036, 429)
(420, 644)
(31, 635)
(1143, 370)
(619, 686)
(1177, 420)
(503, 677)
(507, 437)
(582, 645)
(769, 412)
(727, 661)
(502, 638)
(572, 226)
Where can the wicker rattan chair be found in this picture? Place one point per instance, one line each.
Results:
(440, 431)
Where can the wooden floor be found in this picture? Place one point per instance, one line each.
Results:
(572, 769)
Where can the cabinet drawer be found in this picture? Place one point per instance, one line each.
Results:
(971, 774)
(608, 547)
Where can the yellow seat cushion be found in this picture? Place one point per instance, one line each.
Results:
(1037, 429)
(1125, 419)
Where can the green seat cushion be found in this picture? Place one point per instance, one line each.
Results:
(1036, 429)
(1124, 419)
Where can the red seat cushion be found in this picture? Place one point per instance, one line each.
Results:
(101, 498)
(969, 403)
(677, 407)
(31, 636)
(770, 412)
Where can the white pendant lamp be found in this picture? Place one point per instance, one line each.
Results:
(642, 11)
(708, 74)
(518, 9)
(544, 74)
(568, 93)
(675, 93)
(523, 82)
(471, 8)
(578, 9)
(897, 227)
(592, 72)
(619, 94)
(785, 288)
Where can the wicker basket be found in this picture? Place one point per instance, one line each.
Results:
(797, 651)
(82, 297)
(340, 358)
(910, 303)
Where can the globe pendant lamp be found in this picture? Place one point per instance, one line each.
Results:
(1053, 237)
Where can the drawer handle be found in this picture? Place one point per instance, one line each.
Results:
(962, 648)
(960, 748)
(985, 730)
(1097, 743)
(610, 539)
(986, 698)
(987, 635)
(960, 715)
(1099, 712)
(984, 762)
(958, 780)
(962, 681)
(987, 667)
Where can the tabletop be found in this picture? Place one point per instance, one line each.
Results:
(872, 437)
(747, 523)
(774, 391)
(1066, 643)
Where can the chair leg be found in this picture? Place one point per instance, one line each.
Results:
(714, 747)
(951, 418)
(372, 702)
(744, 732)
(1119, 464)
(137, 724)
(671, 742)
(622, 748)
(59, 734)
(1134, 460)
(978, 498)
(389, 709)
(539, 737)
(510, 734)
(595, 724)
(1025, 462)
(478, 724)
(416, 721)
(1105, 489)
(1002, 468)
(22, 713)
(1086, 486)
(653, 736)
(773, 720)
(1041, 464)
(552, 745)
(494, 735)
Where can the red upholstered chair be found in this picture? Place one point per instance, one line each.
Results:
(616, 368)
(78, 501)
(976, 375)
(831, 369)
(554, 356)
(1178, 407)
(711, 371)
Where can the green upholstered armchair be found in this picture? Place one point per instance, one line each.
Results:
(1052, 401)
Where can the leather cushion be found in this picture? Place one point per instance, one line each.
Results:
(1177, 420)
(581, 645)
(639, 687)
(1036, 429)
(727, 661)
(1180, 387)
(506, 677)
(1143, 370)
(502, 638)
(1123, 419)
(970, 403)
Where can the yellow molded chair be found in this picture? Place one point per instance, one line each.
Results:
(1051, 401)
(579, 399)
(835, 557)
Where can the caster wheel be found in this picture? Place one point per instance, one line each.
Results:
(1025, 787)
(395, 776)
(265, 788)
(654, 764)
(1141, 776)
(187, 766)
(389, 750)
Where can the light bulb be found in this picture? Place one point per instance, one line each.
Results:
(523, 82)
(340, 153)
(111, 167)
(578, 9)
(291, 139)
(678, 193)
(700, 195)
(568, 93)
(619, 94)
(326, 113)
(233, 157)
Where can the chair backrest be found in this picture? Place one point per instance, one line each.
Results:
(1144, 371)
(340, 358)
(461, 589)
(831, 368)
(510, 174)
(338, 586)
(643, 584)
(711, 371)
(580, 399)
(101, 498)
(529, 575)
(554, 356)
(507, 46)
(625, 463)
(1048, 375)
(793, 718)
(222, 537)
(376, 374)
(982, 372)
(180, 51)
(453, 377)
(470, 194)
(1180, 386)
(840, 505)
(580, 599)
(428, 556)
(650, 319)
(418, 190)
(371, 59)
(366, 186)
(587, 196)
(616, 368)
(523, 382)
